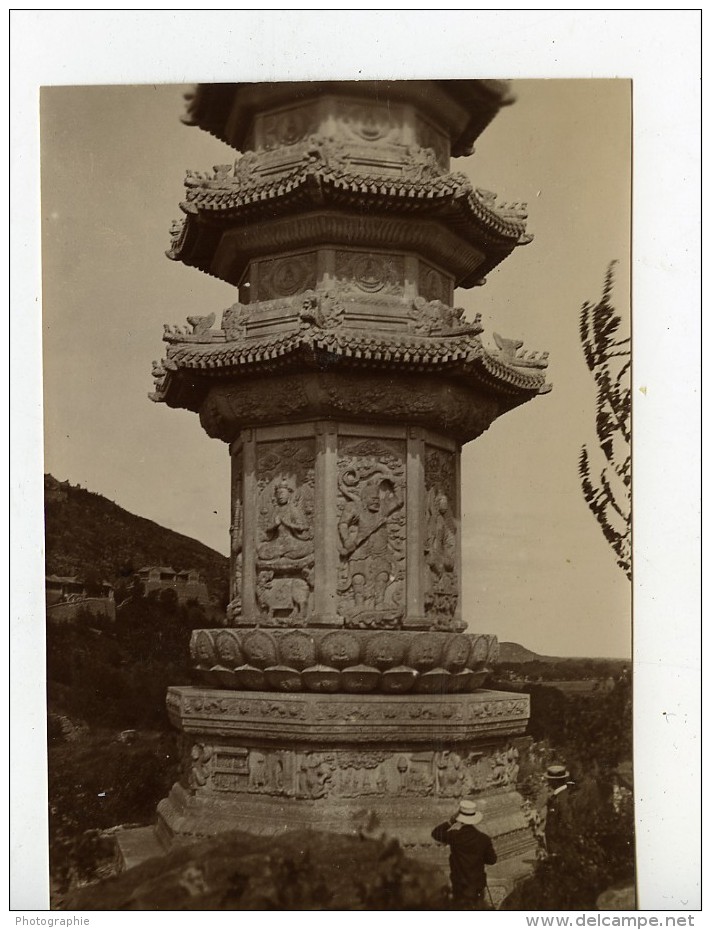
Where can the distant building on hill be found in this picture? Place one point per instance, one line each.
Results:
(186, 584)
(67, 589)
(67, 596)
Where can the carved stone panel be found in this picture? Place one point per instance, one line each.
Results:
(284, 277)
(286, 127)
(369, 122)
(271, 772)
(430, 138)
(440, 555)
(197, 763)
(370, 272)
(433, 285)
(371, 532)
(230, 769)
(285, 536)
(234, 608)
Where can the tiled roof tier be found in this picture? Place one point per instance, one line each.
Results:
(307, 184)
(463, 109)
(222, 202)
(462, 357)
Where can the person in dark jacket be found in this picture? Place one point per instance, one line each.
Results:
(470, 851)
(559, 813)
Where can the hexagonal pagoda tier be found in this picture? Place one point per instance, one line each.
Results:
(345, 382)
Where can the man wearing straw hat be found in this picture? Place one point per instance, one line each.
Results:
(559, 814)
(470, 851)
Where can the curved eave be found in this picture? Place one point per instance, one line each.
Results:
(212, 213)
(442, 196)
(193, 369)
(482, 99)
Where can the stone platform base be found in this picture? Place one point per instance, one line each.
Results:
(267, 763)
(324, 720)
(184, 817)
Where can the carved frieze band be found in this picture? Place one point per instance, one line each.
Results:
(361, 773)
(359, 121)
(464, 412)
(343, 661)
(347, 719)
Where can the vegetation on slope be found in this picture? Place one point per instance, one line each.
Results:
(90, 536)
(103, 678)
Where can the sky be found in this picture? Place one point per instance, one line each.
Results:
(536, 568)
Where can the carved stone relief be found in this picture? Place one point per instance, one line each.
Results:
(234, 608)
(199, 768)
(234, 321)
(228, 410)
(346, 661)
(420, 401)
(442, 587)
(351, 773)
(416, 774)
(202, 649)
(260, 648)
(321, 310)
(297, 650)
(433, 285)
(285, 539)
(229, 769)
(371, 529)
(287, 126)
(421, 164)
(284, 277)
(430, 138)
(313, 774)
(434, 317)
(435, 407)
(370, 272)
(368, 122)
(357, 720)
(271, 772)
(504, 768)
(228, 649)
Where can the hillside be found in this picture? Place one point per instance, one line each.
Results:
(514, 652)
(89, 536)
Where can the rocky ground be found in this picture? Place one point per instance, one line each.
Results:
(298, 871)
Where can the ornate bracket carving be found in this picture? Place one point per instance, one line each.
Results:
(510, 352)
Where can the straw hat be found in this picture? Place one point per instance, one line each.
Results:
(557, 773)
(469, 814)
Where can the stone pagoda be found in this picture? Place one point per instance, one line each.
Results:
(344, 382)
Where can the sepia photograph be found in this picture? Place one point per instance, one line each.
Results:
(337, 391)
